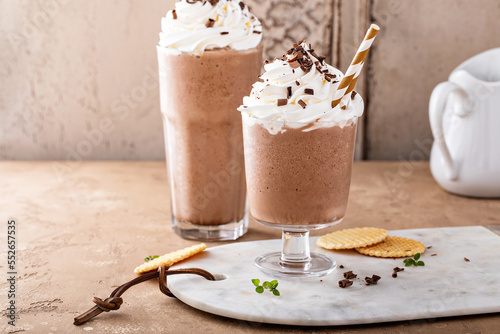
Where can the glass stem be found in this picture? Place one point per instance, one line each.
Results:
(295, 250)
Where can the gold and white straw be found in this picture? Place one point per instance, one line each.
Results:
(348, 82)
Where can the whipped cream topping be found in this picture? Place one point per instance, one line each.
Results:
(196, 25)
(297, 91)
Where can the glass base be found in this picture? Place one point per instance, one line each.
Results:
(318, 265)
(229, 231)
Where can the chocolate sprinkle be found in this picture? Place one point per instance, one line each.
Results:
(345, 283)
(341, 267)
(257, 32)
(372, 280)
(395, 274)
(466, 259)
(210, 23)
(242, 5)
(302, 104)
(289, 92)
(397, 269)
(174, 14)
(282, 102)
(433, 254)
(353, 94)
(297, 83)
(309, 91)
(225, 33)
(350, 275)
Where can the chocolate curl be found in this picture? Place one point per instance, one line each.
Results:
(348, 82)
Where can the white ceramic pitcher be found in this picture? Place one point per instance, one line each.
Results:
(465, 121)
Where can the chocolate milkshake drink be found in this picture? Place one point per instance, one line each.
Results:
(298, 154)
(208, 56)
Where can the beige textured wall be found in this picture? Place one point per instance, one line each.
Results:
(73, 69)
(78, 77)
(420, 43)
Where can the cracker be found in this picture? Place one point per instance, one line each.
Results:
(352, 238)
(170, 258)
(394, 246)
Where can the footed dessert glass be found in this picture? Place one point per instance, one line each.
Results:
(298, 180)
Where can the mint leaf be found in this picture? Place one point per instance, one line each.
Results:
(256, 281)
(274, 284)
(409, 262)
(266, 284)
(276, 292)
(420, 263)
(417, 256)
(259, 289)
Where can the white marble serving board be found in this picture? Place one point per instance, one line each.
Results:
(446, 286)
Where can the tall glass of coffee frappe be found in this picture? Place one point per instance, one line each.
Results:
(209, 55)
(299, 149)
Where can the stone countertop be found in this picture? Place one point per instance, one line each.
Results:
(83, 227)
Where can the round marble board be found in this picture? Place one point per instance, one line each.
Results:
(446, 286)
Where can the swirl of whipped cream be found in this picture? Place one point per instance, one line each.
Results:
(196, 25)
(297, 90)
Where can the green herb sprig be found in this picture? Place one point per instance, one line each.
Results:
(266, 285)
(414, 262)
(151, 257)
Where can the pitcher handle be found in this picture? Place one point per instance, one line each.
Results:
(437, 106)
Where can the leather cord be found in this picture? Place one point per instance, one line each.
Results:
(114, 301)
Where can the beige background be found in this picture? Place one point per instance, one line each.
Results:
(78, 77)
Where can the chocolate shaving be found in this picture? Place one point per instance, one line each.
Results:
(257, 32)
(350, 275)
(289, 92)
(303, 58)
(466, 259)
(396, 270)
(224, 33)
(353, 94)
(341, 267)
(242, 5)
(372, 280)
(433, 254)
(174, 14)
(297, 83)
(266, 62)
(282, 102)
(345, 283)
(309, 91)
(210, 23)
(302, 104)
(429, 247)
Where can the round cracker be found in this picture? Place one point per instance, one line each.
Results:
(352, 238)
(394, 246)
(170, 258)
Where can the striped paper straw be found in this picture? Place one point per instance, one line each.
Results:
(351, 76)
